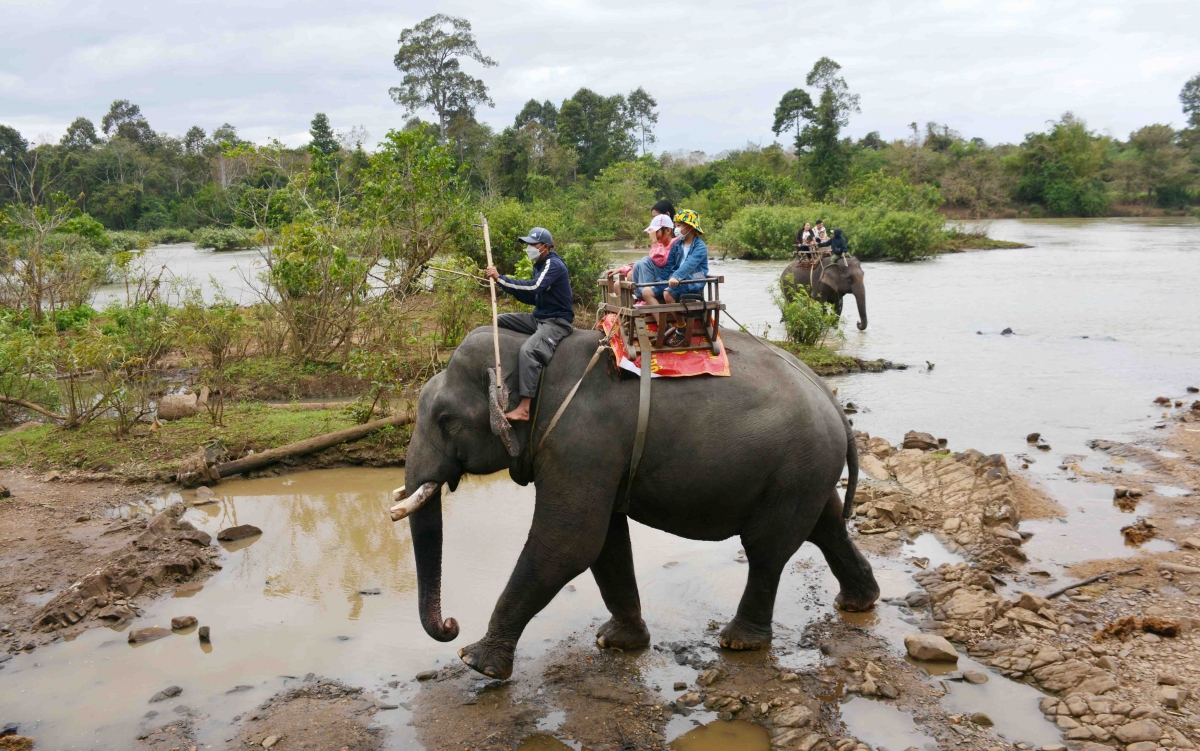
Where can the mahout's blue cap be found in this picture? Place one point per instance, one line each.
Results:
(538, 236)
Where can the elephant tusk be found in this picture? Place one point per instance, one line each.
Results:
(411, 503)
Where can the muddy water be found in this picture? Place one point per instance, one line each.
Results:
(206, 269)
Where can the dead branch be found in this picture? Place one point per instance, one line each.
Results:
(31, 406)
(1091, 579)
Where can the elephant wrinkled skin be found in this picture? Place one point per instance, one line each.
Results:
(758, 454)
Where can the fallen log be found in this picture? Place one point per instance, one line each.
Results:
(31, 406)
(308, 446)
(1178, 568)
(1089, 580)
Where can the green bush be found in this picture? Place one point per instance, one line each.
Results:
(805, 320)
(586, 263)
(127, 240)
(224, 238)
(89, 229)
(171, 235)
(873, 232)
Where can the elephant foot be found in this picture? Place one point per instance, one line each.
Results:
(741, 635)
(623, 635)
(857, 602)
(492, 661)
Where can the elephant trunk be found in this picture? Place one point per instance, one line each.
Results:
(425, 470)
(426, 523)
(859, 289)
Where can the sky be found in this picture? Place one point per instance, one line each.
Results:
(995, 69)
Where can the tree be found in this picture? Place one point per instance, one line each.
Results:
(598, 128)
(226, 136)
(544, 114)
(81, 134)
(1061, 169)
(194, 139)
(1161, 164)
(1189, 97)
(323, 138)
(795, 106)
(640, 108)
(124, 119)
(429, 57)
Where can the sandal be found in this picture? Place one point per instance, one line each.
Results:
(675, 337)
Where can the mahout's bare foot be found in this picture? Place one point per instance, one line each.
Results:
(520, 414)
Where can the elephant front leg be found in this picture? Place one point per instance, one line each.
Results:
(613, 571)
(566, 537)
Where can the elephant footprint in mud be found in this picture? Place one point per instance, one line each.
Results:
(758, 455)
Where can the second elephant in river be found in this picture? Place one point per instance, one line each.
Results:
(757, 455)
(829, 282)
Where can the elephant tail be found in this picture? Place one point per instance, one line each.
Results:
(851, 469)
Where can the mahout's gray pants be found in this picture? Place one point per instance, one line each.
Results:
(544, 336)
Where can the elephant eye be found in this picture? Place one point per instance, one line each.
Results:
(449, 426)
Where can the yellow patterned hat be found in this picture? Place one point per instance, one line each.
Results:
(690, 218)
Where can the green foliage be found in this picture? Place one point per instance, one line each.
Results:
(805, 320)
(586, 263)
(89, 229)
(458, 303)
(223, 238)
(872, 231)
(429, 56)
(1061, 169)
(323, 139)
(216, 336)
(598, 128)
(826, 159)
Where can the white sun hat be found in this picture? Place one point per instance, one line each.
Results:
(662, 221)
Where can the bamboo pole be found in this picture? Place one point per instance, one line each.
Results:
(487, 246)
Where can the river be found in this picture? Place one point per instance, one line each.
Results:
(1103, 314)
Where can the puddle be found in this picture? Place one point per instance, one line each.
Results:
(1012, 706)
(541, 742)
(879, 724)
(1185, 521)
(735, 735)
(1172, 491)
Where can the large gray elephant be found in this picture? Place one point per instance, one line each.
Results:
(757, 454)
(830, 284)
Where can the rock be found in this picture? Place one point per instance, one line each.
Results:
(196, 537)
(930, 647)
(148, 634)
(789, 677)
(1171, 697)
(170, 692)
(1033, 603)
(680, 686)
(4, 492)
(922, 441)
(690, 699)
(1192, 389)
(240, 532)
(1139, 730)
(427, 675)
(1033, 438)
(979, 718)
(1162, 400)
(204, 492)
(9, 729)
(710, 676)
(1098, 684)
(888, 691)
(371, 591)
(1192, 543)
(793, 717)
(204, 634)
(1120, 491)
(181, 622)
(1142, 746)
(810, 741)
(178, 406)
(977, 677)
(1006, 332)
(1167, 679)
(873, 467)
(270, 740)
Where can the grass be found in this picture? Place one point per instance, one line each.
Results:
(827, 362)
(958, 241)
(148, 455)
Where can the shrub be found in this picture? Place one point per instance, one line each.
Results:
(127, 240)
(171, 235)
(586, 263)
(457, 305)
(805, 320)
(224, 238)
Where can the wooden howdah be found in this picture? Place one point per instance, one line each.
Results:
(703, 317)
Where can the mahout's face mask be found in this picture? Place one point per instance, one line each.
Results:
(533, 253)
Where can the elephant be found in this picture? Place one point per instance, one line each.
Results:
(830, 283)
(758, 454)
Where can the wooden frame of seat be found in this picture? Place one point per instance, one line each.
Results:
(703, 318)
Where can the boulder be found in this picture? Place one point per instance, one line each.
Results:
(148, 634)
(170, 692)
(426, 675)
(183, 621)
(968, 605)
(240, 532)
(922, 441)
(1139, 730)
(798, 716)
(178, 406)
(1033, 437)
(1171, 697)
(873, 467)
(979, 718)
(930, 647)
(1033, 603)
(976, 677)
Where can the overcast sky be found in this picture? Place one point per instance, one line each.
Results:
(991, 68)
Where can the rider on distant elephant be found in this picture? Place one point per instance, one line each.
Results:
(837, 245)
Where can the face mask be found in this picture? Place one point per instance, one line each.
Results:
(678, 232)
(532, 253)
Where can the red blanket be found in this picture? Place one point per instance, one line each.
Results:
(667, 364)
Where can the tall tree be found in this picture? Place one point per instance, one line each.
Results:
(641, 110)
(124, 119)
(1189, 97)
(598, 128)
(323, 138)
(795, 107)
(544, 114)
(193, 140)
(81, 134)
(826, 159)
(429, 57)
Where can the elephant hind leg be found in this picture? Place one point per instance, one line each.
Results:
(770, 541)
(613, 571)
(849, 566)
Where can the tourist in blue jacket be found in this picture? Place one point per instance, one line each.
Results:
(688, 260)
(549, 292)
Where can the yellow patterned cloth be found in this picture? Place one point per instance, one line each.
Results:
(690, 218)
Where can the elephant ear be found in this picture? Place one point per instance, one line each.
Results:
(497, 403)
